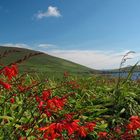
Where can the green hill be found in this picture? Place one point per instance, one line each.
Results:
(41, 63)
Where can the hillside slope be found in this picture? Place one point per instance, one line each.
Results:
(43, 64)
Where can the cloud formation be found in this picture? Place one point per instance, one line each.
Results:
(51, 12)
(46, 46)
(94, 58)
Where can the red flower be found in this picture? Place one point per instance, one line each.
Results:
(37, 99)
(22, 138)
(48, 113)
(70, 129)
(90, 126)
(71, 126)
(118, 130)
(59, 127)
(40, 105)
(102, 134)
(12, 100)
(11, 72)
(55, 103)
(50, 132)
(82, 131)
(73, 84)
(127, 136)
(134, 123)
(133, 118)
(46, 94)
(68, 116)
(130, 126)
(5, 85)
(21, 88)
(14, 69)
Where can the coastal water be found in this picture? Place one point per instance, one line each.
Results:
(134, 76)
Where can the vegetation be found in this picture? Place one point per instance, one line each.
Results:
(74, 108)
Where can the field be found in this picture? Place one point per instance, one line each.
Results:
(71, 107)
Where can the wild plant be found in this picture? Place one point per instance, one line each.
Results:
(71, 109)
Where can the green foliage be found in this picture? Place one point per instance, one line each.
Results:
(105, 102)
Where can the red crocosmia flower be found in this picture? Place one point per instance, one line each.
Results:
(10, 72)
(7, 72)
(14, 70)
(50, 105)
(37, 99)
(21, 88)
(71, 127)
(43, 128)
(59, 127)
(127, 136)
(90, 126)
(130, 126)
(73, 84)
(82, 131)
(59, 102)
(50, 132)
(5, 85)
(40, 105)
(102, 134)
(12, 100)
(132, 118)
(134, 123)
(69, 117)
(46, 94)
(22, 138)
(51, 136)
(55, 103)
(48, 113)
(117, 130)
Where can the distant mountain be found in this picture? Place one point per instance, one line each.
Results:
(127, 69)
(41, 63)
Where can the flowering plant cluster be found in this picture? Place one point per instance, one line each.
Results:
(129, 131)
(31, 109)
(8, 72)
(67, 127)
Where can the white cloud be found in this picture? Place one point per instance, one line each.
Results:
(51, 12)
(46, 46)
(95, 59)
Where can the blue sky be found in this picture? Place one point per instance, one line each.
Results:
(95, 33)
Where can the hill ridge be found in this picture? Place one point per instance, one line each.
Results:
(43, 63)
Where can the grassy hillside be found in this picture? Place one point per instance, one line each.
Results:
(43, 64)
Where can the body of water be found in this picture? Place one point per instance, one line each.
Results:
(135, 75)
